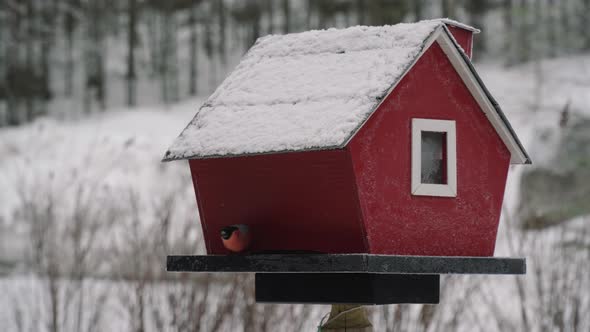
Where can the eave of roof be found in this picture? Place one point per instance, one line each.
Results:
(457, 24)
(425, 45)
(527, 159)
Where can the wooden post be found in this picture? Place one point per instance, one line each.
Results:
(347, 317)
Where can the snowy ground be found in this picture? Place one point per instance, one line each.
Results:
(531, 105)
(121, 149)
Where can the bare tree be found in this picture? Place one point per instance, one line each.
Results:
(286, 7)
(222, 23)
(418, 9)
(131, 44)
(193, 53)
(95, 87)
(361, 9)
(448, 8)
(269, 8)
(584, 22)
(71, 17)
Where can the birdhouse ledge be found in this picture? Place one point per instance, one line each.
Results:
(346, 278)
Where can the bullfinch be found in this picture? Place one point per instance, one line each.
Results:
(236, 238)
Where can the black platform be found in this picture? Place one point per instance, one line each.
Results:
(357, 288)
(346, 278)
(361, 263)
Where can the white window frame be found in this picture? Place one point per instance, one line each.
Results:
(429, 189)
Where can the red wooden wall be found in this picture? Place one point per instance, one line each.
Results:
(358, 199)
(291, 201)
(463, 38)
(399, 223)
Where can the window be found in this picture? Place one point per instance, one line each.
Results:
(434, 158)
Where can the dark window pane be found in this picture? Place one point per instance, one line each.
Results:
(433, 157)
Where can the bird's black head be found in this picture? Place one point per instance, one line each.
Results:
(226, 232)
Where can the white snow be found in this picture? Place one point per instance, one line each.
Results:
(458, 24)
(117, 149)
(302, 91)
(121, 148)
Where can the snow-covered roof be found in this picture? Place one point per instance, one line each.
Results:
(304, 91)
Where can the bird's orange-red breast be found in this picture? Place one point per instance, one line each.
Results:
(236, 238)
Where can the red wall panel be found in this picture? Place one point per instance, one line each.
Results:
(291, 201)
(400, 223)
(463, 38)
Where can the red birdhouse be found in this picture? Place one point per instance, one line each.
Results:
(378, 140)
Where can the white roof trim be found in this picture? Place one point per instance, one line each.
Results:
(457, 24)
(458, 62)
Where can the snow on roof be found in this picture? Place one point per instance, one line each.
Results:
(457, 24)
(302, 91)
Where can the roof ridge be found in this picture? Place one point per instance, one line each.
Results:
(457, 24)
(335, 29)
(440, 20)
(320, 53)
(377, 97)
